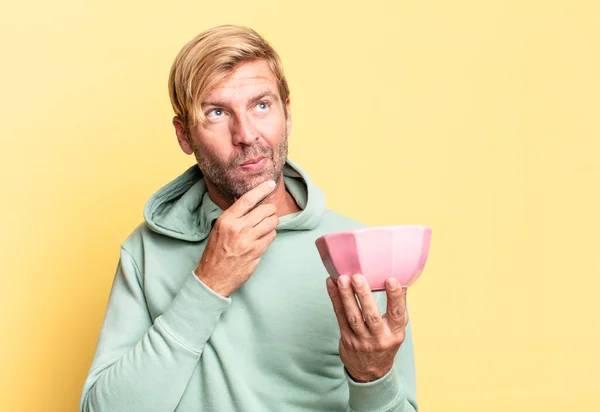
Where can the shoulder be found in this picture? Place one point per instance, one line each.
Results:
(142, 238)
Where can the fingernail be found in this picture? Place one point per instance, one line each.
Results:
(343, 281)
(329, 283)
(392, 283)
(330, 287)
(357, 280)
(271, 183)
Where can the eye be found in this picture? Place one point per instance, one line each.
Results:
(262, 106)
(215, 114)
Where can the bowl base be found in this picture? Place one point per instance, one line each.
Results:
(383, 289)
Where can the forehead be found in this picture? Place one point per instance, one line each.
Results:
(246, 80)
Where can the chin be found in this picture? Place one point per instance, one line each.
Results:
(243, 181)
(256, 181)
(238, 187)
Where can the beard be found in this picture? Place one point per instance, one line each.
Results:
(231, 181)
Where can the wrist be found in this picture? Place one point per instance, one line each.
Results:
(213, 282)
(384, 394)
(370, 376)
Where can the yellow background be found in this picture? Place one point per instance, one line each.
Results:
(479, 118)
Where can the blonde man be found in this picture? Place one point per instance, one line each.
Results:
(220, 301)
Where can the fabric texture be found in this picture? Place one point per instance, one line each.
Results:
(169, 343)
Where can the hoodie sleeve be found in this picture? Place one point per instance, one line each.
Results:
(394, 392)
(144, 365)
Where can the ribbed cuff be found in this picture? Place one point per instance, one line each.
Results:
(193, 314)
(379, 395)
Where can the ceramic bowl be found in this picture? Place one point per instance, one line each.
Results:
(377, 253)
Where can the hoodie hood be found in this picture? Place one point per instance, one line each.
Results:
(183, 210)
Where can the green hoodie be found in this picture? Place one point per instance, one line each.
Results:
(169, 343)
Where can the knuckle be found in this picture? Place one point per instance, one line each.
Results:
(367, 347)
(232, 228)
(397, 313)
(399, 338)
(244, 243)
(372, 318)
(274, 221)
(219, 221)
(250, 243)
(354, 320)
(255, 254)
(242, 231)
(224, 221)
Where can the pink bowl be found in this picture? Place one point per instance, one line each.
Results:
(377, 253)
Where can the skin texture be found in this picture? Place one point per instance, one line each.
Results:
(369, 341)
(247, 121)
(239, 238)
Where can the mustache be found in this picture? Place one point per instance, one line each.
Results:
(250, 152)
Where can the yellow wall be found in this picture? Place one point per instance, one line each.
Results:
(479, 118)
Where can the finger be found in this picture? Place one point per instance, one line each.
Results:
(263, 243)
(396, 314)
(258, 214)
(267, 225)
(351, 308)
(251, 198)
(338, 307)
(370, 310)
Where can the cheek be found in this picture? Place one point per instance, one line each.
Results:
(213, 143)
(271, 130)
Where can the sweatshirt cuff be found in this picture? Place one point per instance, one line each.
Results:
(379, 395)
(193, 314)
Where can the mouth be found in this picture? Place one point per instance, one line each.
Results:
(254, 164)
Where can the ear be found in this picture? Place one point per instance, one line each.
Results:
(288, 117)
(182, 136)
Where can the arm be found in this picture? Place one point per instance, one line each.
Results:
(141, 365)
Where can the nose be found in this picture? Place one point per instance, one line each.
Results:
(244, 131)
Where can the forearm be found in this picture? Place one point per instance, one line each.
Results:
(150, 373)
(151, 376)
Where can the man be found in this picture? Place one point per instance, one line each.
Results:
(220, 299)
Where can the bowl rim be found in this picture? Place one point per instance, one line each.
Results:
(425, 228)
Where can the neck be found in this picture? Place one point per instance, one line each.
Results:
(283, 201)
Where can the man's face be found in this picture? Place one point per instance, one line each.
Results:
(244, 141)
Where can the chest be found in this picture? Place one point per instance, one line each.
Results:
(285, 300)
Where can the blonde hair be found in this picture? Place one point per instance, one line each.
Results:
(208, 58)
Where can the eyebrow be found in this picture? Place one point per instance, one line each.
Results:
(216, 103)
